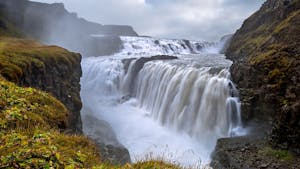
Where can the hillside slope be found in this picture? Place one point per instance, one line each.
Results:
(53, 24)
(266, 68)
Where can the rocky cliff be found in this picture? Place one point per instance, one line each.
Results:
(266, 68)
(53, 24)
(49, 68)
(33, 122)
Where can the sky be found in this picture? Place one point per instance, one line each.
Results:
(182, 19)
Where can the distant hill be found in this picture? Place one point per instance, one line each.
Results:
(53, 24)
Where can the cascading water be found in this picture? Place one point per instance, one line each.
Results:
(137, 46)
(174, 109)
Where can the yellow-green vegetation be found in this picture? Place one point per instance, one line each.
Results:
(154, 164)
(283, 155)
(26, 108)
(18, 56)
(149, 164)
(46, 149)
(29, 123)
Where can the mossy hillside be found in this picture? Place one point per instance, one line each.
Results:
(19, 57)
(27, 108)
(30, 121)
(46, 149)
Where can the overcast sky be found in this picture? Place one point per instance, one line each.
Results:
(188, 19)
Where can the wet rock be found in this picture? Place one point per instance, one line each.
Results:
(101, 132)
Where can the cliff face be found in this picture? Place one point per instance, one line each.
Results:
(266, 67)
(53, 24)
(33, 122)
(49, 68)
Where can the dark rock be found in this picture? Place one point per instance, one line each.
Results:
(266, 68)
(241, 152)
(101, 132)
(63, 81)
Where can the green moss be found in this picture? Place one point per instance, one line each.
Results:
(279, 154)
(19, 57)
(274, 73)
(287, 22)
(41, 149)
(27, 108)
(263, 56)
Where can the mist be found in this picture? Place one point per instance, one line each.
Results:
(188, 19)
(54, 25)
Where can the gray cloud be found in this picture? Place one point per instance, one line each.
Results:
(190, 19)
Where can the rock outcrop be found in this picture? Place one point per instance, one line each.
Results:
(266, 68)
(53, 24)
(48, 68)
(109, 147)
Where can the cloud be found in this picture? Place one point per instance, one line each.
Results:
(189, 19)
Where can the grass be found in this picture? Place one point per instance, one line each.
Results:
(19, 57)
(46, 149)
(283, 155)
(27, 108)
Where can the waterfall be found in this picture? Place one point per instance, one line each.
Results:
(173, 108)
(187, 98)
(147, 46)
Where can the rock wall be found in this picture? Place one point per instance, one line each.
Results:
(49, 68)
(266, 68)
(61, 80)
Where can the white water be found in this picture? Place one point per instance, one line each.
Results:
(177, 110)
(146, 46)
